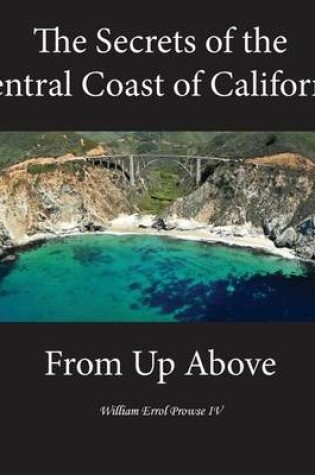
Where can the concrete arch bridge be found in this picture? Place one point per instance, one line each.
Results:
(135, 165)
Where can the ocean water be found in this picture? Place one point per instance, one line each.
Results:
(146, 278)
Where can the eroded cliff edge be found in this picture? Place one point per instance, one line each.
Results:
(56, 196)
(271, 195)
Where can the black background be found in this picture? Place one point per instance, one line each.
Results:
(53, 423)
(19, 56)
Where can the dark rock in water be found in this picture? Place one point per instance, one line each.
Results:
(10, 258)
(143, 226)
(159, 224)
(286, 239)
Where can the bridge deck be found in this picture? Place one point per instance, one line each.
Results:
(153, 155)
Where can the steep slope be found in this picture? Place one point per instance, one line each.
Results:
(58, 196)
(225, 144)
(276, 200)
(253, 144)
(16, 146)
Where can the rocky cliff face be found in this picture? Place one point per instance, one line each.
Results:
(58, 196)
(270, 196)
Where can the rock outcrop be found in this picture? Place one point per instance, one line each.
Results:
(58, 196)
(260, 197)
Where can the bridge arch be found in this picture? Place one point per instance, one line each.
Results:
(131, 164)
(177, 162)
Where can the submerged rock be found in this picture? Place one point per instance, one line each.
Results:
(10, 258)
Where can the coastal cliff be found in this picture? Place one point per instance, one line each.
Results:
(272, 195)
(56, 196)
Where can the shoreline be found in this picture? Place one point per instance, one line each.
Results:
(129, 225)
(211, 238)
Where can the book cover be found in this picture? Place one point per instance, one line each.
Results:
(157, 238)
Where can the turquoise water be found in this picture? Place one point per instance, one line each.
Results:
(145, 278)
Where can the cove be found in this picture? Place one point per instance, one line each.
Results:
(152, 279)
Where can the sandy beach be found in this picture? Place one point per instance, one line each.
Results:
(195, 231)
(185, 229)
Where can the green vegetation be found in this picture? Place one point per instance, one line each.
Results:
(223, 144)
(18, 146)
(75, 168)
(17, 185)
(71, 167)
(129, 142)
(164, 184)
(36, 169)
(164, 188)
(253, 144)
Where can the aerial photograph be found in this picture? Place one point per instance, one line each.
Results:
(168, 226)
